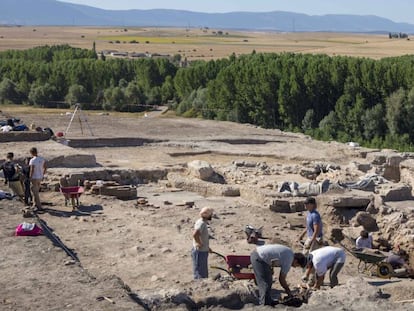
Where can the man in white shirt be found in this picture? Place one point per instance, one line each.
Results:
(324, 259)
(201, 245)
(37, 166)
(364, 240)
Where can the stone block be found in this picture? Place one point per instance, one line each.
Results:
(201, 170)
(351, 200)
(297, 206)
(395, 192)
(120, 192)
(117, 178)
(280, 206)
(365, 220)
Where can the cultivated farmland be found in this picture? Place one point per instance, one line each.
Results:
(195, 43)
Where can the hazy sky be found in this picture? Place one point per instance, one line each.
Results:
(396, 10)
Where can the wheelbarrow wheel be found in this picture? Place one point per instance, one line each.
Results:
(384, 270)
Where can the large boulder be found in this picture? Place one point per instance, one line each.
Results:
(355, 199)
(388, 162)
(365, 220)
(280, 206)
(202, 187)
(203, 170)
(395, 192)
(200, 169)
(407, 172)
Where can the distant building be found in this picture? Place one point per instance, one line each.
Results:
(399, 35)
(119, 54)
(137, 55)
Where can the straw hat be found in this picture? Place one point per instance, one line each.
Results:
(206, 212)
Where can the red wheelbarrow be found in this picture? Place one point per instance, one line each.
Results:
(73, 194)
(236, 265)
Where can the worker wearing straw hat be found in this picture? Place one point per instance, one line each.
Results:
(201, 248)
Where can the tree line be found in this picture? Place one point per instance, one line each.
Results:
(62, 75)
(331, 98)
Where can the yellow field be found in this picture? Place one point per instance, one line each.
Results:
(197, 43)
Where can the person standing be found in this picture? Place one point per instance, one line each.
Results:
(201, 246)
(313, 230)
(264, 258)
(11, 172)
(28, 200)
(324, 259)
(37, 166)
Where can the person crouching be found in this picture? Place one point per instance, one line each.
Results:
(264, 258)
(324, 259)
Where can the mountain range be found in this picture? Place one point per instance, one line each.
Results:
(59, 13)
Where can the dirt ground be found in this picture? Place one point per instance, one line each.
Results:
(128, 252)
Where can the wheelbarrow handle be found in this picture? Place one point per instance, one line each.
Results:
(222, 269)
(218, 254)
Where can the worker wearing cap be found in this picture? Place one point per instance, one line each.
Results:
(201, 247)
(313, 230)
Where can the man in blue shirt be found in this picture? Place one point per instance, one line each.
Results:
(313, 231)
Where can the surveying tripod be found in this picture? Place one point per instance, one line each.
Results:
(81, 118)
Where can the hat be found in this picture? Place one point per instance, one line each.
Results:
(310, 200)
(206, 212)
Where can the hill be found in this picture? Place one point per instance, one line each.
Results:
(52, 12)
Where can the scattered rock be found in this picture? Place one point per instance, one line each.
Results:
(395, 192)
(365, 220)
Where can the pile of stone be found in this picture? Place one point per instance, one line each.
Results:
(111, 188)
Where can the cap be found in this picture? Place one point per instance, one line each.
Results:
(206, 212)
(310, 200)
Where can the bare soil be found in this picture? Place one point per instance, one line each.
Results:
(129, 252)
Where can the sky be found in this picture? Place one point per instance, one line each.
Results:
(395, 10)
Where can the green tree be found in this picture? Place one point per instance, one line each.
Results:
(308, 121)
(40, 95)
(134, 95)
(76, 94)
(328, 126)
(373, 122)
(167, 90)
(9, 92)
(154, 96)
(394, 114)
(114, 99)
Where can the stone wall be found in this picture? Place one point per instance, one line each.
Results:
(109, 142)
(23, 136)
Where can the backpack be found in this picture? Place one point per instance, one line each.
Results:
(252, 234)
(28, 229)
(9, 171)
